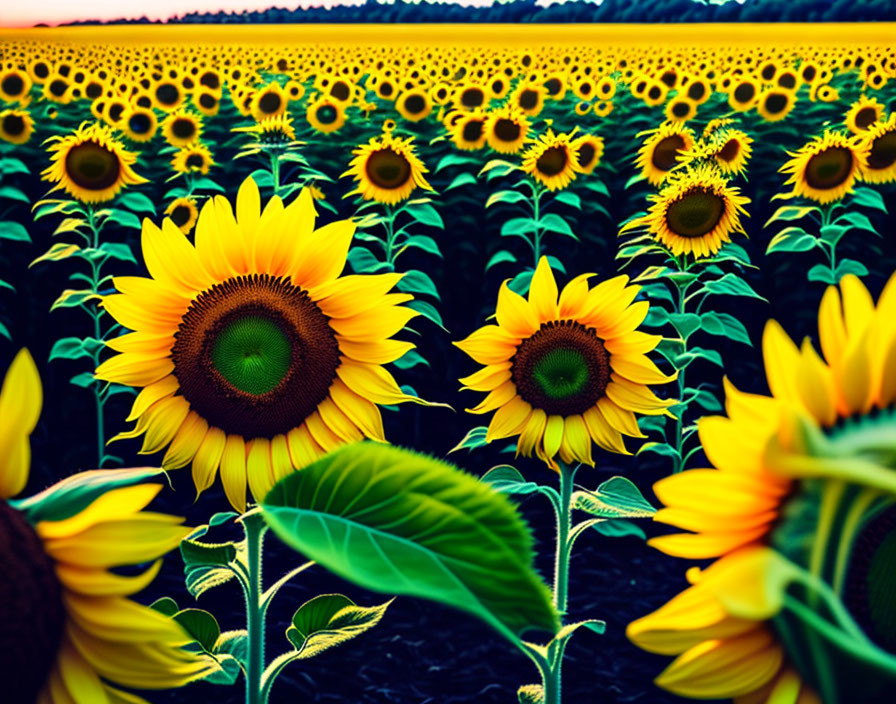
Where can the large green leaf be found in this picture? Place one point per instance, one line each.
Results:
(399, 522)
(329, 620)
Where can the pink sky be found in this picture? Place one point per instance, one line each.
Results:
(24, 13)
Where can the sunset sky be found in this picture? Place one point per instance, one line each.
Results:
(19, 13)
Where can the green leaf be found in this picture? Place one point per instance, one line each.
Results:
(13, 193)
(504, 197)
(519, 227)
(4, 331)
(659, 448)
(790, 212)
(822, 273)
(136, 202)
(410, 359)
(75, 493)
(362, 261)
(204, 183)
(454, 159)
(569, 198)
(464, 179)
(427, 310)
(11, 230)
(84, 380)
(118, 250)
(685, 324)
(10, 165)
(592, 624)
(329, 620)
(499, 257)
(196, 553)
(473, 439)
(849, 266)
(725, 325)
(508, 480)
(619, 528)
(71, 298)
(416, 281)
(497, 168)
(530, 694)
(832, 233)
(201, 626)
(617, 497)
(235, 644)
(59, 251)
(869, 198)
(598, 187)
(857, 221)
(75, 348)
(731, 285)
(124, 219)
(425, 214)
(199, 580)
(792, 239)
(554, 223)
(166, 605)
(427, 244)
(685, 358)
(395, 521)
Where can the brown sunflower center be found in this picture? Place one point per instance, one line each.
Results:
(665, 153)
(865, 117)
(696, 213)
(775, 103)
(552, 161)
(13, 125)
(528, 99)
(58, 87)
(388, 169)
(13, 84)
(472, 97)
(680, 109)
(415, 104)
(255, 356)
(92, 166)
(180, 215)
(340, 90)
(553, 86)
(587, 153)
(507, 130)
(563, 368)
(744, 93)
(139, 123)
(195, 161)
(167, 93)
(207, 101)
(183, 128)
(729, 152)
(31, 611)
(830, 168)
(883, 151)
(696, 91)
(269, 103)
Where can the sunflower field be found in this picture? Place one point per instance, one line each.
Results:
(543, 363)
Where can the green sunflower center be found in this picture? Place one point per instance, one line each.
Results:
(695, 214)
(92, 166)
(326, 114)
(388, 169)
(253, 354)
(563, 368)
(31, 611)
(830, 168)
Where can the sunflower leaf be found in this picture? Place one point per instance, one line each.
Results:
(329, 620)
(617, 497)
(394, 521)
(11, 230)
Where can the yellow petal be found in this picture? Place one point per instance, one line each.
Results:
(21, 398)
(208, 458)
(172, 260)
(303, 449)
(133, 369)
(185, 442)
(258, 467)
(351, 295)
(363, 413)
(543, 292)
(553, 435)
(114, 505)
(489, 344)
(210, 244)
(93, 582)
(164, 418)
(373, 351)
(781, 361)
(573, 297)
(233, 471)
(577, 439)
(514, 313)
(508, 420)
(324, 255)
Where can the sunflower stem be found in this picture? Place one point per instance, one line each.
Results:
(275, 171)
(96, 313)
(389, 224)
(255, 528)
(536, 217)
(682, 288)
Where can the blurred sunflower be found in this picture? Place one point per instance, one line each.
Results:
(663, 150)
(181, 129)
(387, 169)
(253, 353)
(565, 372)
(139, 124)
(880, 142)
(799, 512)
(194, 158)
(775, 104)
(825, 169)
(15, 86)
(271, 132)
(414, 105)
(325, 114)
(695, 213)
(552, 160)
(16, 126)
(269, 101)
(70, 629)
(862, 114)
(467, 129)
(589, 149)
(731, 150)
(90, 164)
(183, 213)
(506, 129)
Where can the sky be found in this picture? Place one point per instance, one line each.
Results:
(25, 13)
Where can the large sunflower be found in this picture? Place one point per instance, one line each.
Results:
(826, 168)
(695, 213)
(563, 372)
(553, 160)
(880, 142)
(90, 164)
(663, 150)
(69, 633)
(799, 510)
(387, 169)
(253, 353)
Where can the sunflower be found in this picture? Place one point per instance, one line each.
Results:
(167, 95)
(467, 129)
(192, 159)
(775, 104)
(254, 355)
(589, 149)
(799, 512)
(880, 143)
(16, 126)
(862, 114)
(90, 164)
(183, 213)
(695, 213)
(506, 129)
(552, 160)
(15, 85)
(325, 114)
(825, 169)
(529, 98)
(561, 373)
(207, 101)
(272, 131)
(731, 150)
(139, 124)
(663, 150)
(72, 633)
(56, 89)
(470, 96)
(744, 95)
(414, 105)
(387, 169)
(270, 101)
(181, 129)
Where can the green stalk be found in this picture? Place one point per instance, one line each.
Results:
(254, 528)
(389, 224)
(275, 171)
(536, 216)
(96, 313)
